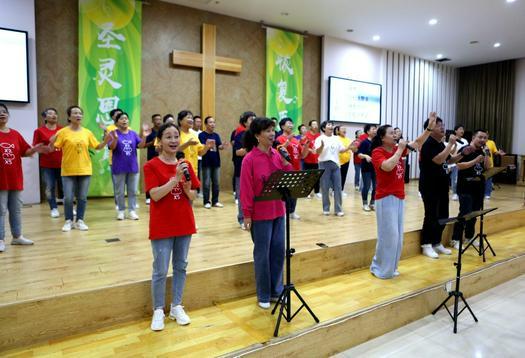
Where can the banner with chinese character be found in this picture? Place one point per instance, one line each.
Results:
(284, 75)
(109, 73)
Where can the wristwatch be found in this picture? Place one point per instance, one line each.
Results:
(430, 129)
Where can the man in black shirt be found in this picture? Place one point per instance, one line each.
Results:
(433, 186)
(152, 152)
(367, 169)
(470, 188)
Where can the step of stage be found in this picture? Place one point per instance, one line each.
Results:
(34, 321)
(352, 307)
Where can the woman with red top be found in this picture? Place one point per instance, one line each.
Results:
(171, 184)
(265, 219)
(311, 161)
(390, 198)
(12, 148)
(50, 163)
(296, 151)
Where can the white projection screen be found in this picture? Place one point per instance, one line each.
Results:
(14, 74)
(353, 101)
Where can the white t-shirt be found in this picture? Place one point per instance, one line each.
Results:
(332, 147)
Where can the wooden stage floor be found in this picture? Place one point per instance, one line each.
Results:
(61, 263)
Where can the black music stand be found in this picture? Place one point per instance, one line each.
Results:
(456, 293)
(481, 235)
(284, 186)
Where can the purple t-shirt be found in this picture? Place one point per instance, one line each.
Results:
(125, 154)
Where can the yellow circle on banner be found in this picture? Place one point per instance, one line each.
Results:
(283, 43)
(117, 12)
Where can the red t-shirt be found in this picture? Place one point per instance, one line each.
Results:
(392, 182)
(172, 215)
(311, 158)
(294, 149)
(12, 148)
(357, 142)
(49, 160)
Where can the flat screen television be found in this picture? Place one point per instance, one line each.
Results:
(353, 101)
(14, 70)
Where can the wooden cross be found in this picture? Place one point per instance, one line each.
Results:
(209, 64)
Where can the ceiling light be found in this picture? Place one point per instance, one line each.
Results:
(439, 55)
(497, 44)
(511, 0)
(432, 22)
(349, 30)
(376, 38)
(474, 42)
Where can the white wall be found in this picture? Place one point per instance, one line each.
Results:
(411, 87)
(20, 15)
(518, 141)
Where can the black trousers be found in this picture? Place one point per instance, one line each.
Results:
(344, 173)
(468, 202)
(313, 166)
(436, 207)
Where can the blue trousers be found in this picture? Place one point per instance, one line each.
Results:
(357, 174)
(52, 181)
(76, 185)
(369, 178)
(389, 217)
(268, 257)
(162, 250)
(122, 183)
(210, 178)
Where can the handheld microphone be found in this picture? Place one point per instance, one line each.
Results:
(179, 156)
(284, 153)
(410, 148)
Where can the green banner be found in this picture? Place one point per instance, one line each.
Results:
(109, 73)
(284, 75)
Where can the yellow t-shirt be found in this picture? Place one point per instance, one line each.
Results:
(191, 153)
(491, 145)
(75, 150)
(344, 157)
(110, 129)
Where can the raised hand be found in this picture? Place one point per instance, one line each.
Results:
(146, 129)
(452, 139)
(432, 119)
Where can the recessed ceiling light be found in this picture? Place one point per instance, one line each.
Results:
(511, 0)
(376, 38)
(285, 13)
(439, 55)
(349, 30)
(497, 44)
(473, 42)
(432, 22)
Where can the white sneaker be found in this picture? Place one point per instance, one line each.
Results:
(356, 188)
(487, 197)
(21, 241)
(120, 215)
(294, 216)
(396, 273)
(132, 215)
(318, 195)
(148, 201)
(455, 197)
(199, 195)
(218, 205)
(243, 227)
(440, 249)
(116, 208)
(345, 194)
(207, 206)
(236, 201)
(68, 225)
(326, 213)
(2, 245)
(264, 305)
(137, 206)
(454, 244)
(366, 207)
(309, 196)
(177, 313)
(157, 322)
(81, 225)
(341, 213)
(55, 213)
(429, 251)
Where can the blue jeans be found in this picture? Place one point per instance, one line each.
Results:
(75, 185)
(240, 215)
(488, 187)
(369, 178)
(389, 215)
(331, 178)
(357, 174)
(129, 182)
(162, 250)
(454, 179)
(210, 178)
(268, 257)
(52, 182)
(11, 200)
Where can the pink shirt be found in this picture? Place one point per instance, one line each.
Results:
(257, 167)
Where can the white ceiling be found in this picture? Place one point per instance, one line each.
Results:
(402, 24)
